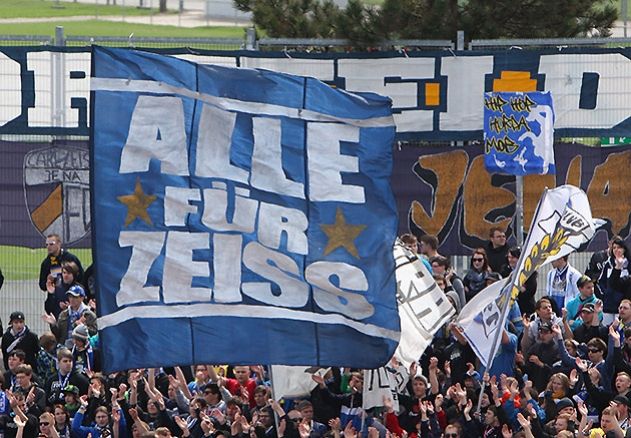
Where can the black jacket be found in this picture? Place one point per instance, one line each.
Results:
(496, 256)
(29, 344)
(52, 261)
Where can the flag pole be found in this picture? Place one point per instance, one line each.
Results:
(271, 379)
(519, 209)
(514, 279)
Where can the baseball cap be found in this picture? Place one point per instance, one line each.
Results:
(565, 402)
(545, 326)
(16, 316)
(76, 291)
(72, 389)
(589, 307)
(621, 399)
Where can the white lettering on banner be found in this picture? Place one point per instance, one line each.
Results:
(371, 75)
(213, 146)
(146, 247)
(157, 132)
(564, 79)
(463, 107)
(466, 76)
(54, 106)
(11, 89)
(267, 166)
(323, 69)
(335, 299)
(177, 205)
(326, 163)
(280, 269)
(180, 269)
(274, 220)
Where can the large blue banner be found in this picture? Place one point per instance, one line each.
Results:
(239, 216)
(519, 133)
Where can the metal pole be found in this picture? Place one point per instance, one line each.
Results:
(519, 210)
(460, 40)
(623, 12)
(58, 83)
(250, 38)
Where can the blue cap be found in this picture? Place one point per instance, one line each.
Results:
(76, 291)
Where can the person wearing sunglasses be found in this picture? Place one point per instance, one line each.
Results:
(475, 279)
(452, 431)
(51, 265)
(47, 425)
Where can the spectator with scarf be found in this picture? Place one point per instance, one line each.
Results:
(18, 336)
(76, 313)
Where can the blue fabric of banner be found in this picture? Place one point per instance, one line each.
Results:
(239, 216)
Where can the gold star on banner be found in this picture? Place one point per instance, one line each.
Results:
(341, 234)
(137, 204)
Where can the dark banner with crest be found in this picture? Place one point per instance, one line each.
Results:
(45, 190)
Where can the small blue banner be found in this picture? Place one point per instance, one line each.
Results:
(239, 216)
(519, 133)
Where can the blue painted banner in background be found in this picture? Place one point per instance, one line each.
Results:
(519, 133)
(240, 216)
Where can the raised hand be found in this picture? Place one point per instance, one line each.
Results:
(413, 369)
(208, 428)
(282, 426)
(447, 368)
(19, 422)
(581, 364)
(523, 421)
(534, 359)
(335, 424)
(526, 321)
(30, 397)
(613, 332)
(133, 413)
(304, 429)
(506, 432)
(573, 377)
(49, 318)
(438, 402)
(582, 409)
(430, 408)
(467, 408)
(557, 331)
(349, 430)
(116, 415)
(433, 364)
(318, 379)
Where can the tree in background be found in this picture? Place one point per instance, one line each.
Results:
(431, 19)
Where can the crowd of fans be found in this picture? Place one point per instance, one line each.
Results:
(563, 368)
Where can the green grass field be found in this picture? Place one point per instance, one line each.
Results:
(50, 8)
(116, 28)
(18, 263)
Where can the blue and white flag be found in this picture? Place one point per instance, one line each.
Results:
(239, 216)
(519, 133)
(561, 224)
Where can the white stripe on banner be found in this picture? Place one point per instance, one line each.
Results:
(238, 310)
(258, 108)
